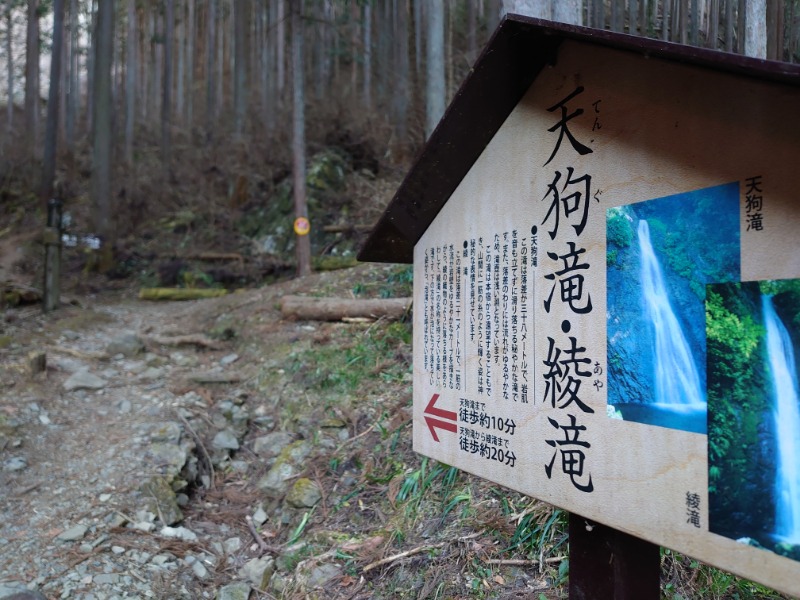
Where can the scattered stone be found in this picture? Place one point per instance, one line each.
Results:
(258, 571)
(15, 463)
(229, 359)
(143, 526)
(117, 549)
(287, 466)
(180, 533)
(73, 534)
(168, 431)
(160, 493)
(104, 497)
(125, 407)
(20, 595)
(319, 575)
(234, 591)
(198, 568)
(106, 578)
(171, 456)
(272, 444)
(304, 493)
(232, 545)
(44, 419)
(84, 380)
(214, 377)
(225, 440)
(127, 344)
(259, 517)
(151, 374)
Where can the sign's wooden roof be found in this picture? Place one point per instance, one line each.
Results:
(517, 52)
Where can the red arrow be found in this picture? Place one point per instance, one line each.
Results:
(439, 412)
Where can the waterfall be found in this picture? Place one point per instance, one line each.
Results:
(786, 413)
(677, 380)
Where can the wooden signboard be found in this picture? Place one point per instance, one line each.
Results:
(607, 306)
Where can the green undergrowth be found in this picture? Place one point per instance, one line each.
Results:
(455, 535)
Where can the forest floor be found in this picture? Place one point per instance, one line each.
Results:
(348, 512)
(213, 449)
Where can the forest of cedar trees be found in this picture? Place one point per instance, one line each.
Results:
(229, 118)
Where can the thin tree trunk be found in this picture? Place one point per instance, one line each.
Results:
(303, 244)
(281, 47)
(367, 43)
(190, 49)
(130, 83)
(713, 24)
(729, 25)
(32, 78)
(10, 65)
(400, 97)
(180, 74)
(435, 95)
(51, 128)
(472, 26)
(166, 99)
(210, 73)
(73, 96)
(241, 17)
(755, 28)
(100, 185)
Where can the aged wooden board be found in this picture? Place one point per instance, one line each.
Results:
(605, 308)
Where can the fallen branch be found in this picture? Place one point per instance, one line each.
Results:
(407, 553)
(193, 339)
(77, 353)
(264, 546)
(338, 309)
(174, 294)
(519, 562)
(202, 447)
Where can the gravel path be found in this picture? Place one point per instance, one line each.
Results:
(76, 449)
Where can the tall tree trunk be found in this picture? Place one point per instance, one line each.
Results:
(10, 65)
(51, 128)
(303, 244)
(191, 32)
(32, 78)
(211, 53)
(435, 92)
(541, 9)
(166, 90)
(73, 97)
(755, 36)
(100, 185)
(180, 74)
(571, 11)
(281, 47)
(367, 80)
(241, 18)
(400, 97)
(472, 38)
(130, 82)
(775, 15)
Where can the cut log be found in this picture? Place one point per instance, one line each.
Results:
(180, 293)
(182, 340)
(338, 309)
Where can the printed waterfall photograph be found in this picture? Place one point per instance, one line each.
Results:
(660, 256)
(753, 332)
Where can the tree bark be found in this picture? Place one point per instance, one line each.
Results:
(130, 82)
(100, 185)
(210, 72)
(10, 65)
(337, 309)
(51, 128)
(303, 244)
(755, 36)
(166, 90)
(32, 78)
(435, 90)
(571, 11)
(240, 12)
(367, 44)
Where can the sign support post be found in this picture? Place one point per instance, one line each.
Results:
(607, 564)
